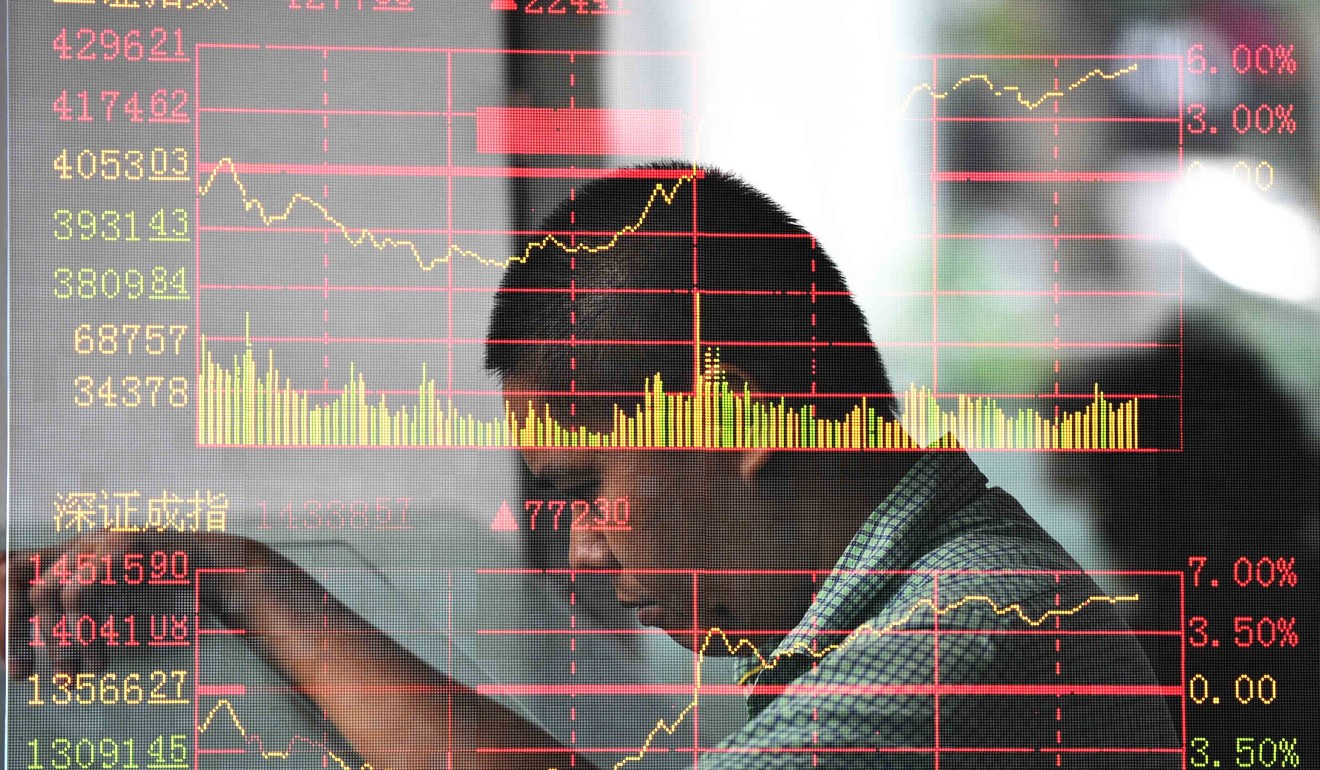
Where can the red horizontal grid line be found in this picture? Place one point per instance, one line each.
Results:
(581, 341)
(931, 749)
(373, 169)
(496, 632)
(501, 51)
(315, 748)
(574, 749)
(1177, 574)
(1104, 345)
(1056, 176)
(660, 689)
(329, 287)
(803, 394)
(779, 394)
(313, 111)
(1042, 236)
(815, 748)
(546, 290)
(789, 343)
(1062, 56)
(585, 688)
(955, 394)
(941, 343)
(221, 689)
(502, 571)
(1113, 749)
(704, 292)
(827, 632)
(473, 341)
(361, 689)
(1047, 293)
(831, 450)
(602, 393)
(533, 233)
(1040, 119)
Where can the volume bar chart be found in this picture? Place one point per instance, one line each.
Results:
(244, 406)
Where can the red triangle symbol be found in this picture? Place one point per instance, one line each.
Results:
(504, 521)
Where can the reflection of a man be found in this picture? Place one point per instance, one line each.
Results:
(886, 604)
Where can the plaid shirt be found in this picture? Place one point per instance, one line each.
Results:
(875, 676)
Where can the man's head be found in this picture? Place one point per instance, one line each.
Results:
(581, 329)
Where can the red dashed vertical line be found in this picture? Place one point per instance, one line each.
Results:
(1055, 220)
(696, 675)
(325, 666)
(935, 658)
(325, 235)
(934, 237)
(572, 661)
(572, 308)
(815, 735)
(696, 285)
(572, 265)
(815, 663)
(1058, 671)
(449, 655)
(449, 225)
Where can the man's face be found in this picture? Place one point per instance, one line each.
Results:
(694, 523)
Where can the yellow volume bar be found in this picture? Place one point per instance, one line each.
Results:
(245, 404)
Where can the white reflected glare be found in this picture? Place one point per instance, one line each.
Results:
(1243, 238)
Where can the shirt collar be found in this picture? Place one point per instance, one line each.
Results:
(939, 483)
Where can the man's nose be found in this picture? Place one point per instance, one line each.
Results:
(588, 550)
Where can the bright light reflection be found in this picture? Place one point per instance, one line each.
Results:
(1243, 238)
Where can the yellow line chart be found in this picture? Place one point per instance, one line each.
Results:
(669, 728)
(1016, 91)
(366, 236)
(225, 704)
(866, 629)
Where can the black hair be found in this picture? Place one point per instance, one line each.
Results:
(617, 284)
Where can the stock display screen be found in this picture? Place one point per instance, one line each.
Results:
(331, 360)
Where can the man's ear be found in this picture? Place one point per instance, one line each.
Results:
(750, 459)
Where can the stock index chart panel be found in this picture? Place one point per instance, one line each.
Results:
(274, 500)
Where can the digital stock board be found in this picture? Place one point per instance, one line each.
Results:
(254, 247)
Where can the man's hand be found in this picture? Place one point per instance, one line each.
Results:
(71, 599)
(395, 710)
